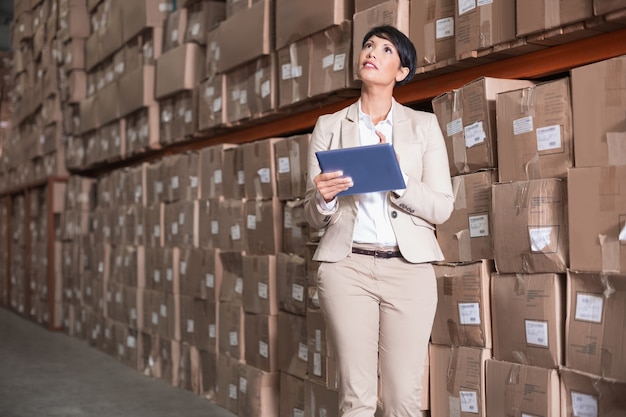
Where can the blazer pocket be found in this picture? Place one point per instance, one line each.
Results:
(418, 221)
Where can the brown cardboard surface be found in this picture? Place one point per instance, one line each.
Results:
(535, 137)
(463, 316)
(293, 350)
(202, 17)
(178, 69)
(597, 218)
(239, 46)
(457, 380)
(293, 77)
(541, 15)
(174, 27)
(291, 276)
(292, 401)
(260, 169)
(598, 105)
(331, 60)
(467, 118)
(536, 213)
(211, 170)
(480, 26)
(601, 7)
(232, 225)
(211, 101)
(298, 19)
(596, 324)
(264, 222)
(138, 15)
(432, 30)
(231, 337)
(231, 288)
(531, 390)
(319, 400)
(258, 392)
(261, 336)
(227, 383)
(209, 224)
(259, 284)
(136, 90)
(233, 173)
(262, 86)
(237, 106)
(528, 319)
(467, 234)
(290, 155)
(587, 394)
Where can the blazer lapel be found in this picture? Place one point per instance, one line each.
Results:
(350, 128)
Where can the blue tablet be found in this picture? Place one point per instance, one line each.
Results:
(372, 167)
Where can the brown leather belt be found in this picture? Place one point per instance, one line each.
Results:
(383, 254)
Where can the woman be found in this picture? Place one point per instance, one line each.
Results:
(376, 287)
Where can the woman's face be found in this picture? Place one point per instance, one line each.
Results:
(379, 62)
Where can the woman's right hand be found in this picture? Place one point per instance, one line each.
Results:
(329, 184)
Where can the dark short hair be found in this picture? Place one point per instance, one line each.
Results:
(406, 49)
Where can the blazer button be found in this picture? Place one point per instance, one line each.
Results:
(394, 214)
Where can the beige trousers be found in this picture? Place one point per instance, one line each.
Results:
(379, 314)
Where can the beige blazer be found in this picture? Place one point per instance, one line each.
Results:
(427, 200)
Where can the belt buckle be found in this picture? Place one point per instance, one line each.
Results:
(382, 254)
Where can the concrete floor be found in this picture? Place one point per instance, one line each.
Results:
(48, 374)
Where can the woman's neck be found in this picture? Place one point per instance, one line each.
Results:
(376, 104)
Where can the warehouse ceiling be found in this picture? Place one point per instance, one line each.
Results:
(6, 16)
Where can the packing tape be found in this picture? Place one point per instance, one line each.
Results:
(552, 13)
(616, 144)
(520, 357)
(430, 34)
(610, 248)
(532, 168)
(485, 34)
(458, 189)
(464, 245)
(295, 73)
(513, 378)
(520, 285)
(295, 169)
(459, 153)
(451, 373)
(453, 332)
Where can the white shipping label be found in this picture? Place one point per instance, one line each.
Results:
(217, 104)
(239, 285)
(212, 331)
(232, 391)
(188, 116)
(217, 176)
(589, 307)
(474, 134)
(243, 97)
(466, 6)
(155, 318)
(264, 175)
(241, 178)
(175, 228)
(209, 91)
(283, 165)
(469, 313)
(175, 182)
(318, 340)
(622, 234)
(536, 332)
(288, 220)
(454, 127)
(157, 231)
(297, 292)
(183, 267)
(262, 290)
(303, 352)
(340, 62)
(296, 72)
(163, 310)
(523, 125)
(469, 401)
(454, 406)
(479, 225)
(264, 349)
(266, 88)
(298, 413)
(130, 342)
(195, 29)
(233, 338)
(215, 227)
(286, 71)
(235, 232)
(243, 385)
(540, 238)
(548, 137)
(445, 28)
(210, 280)
(251, 222)
(484, 2)
(190, 326)
(169, 274)
(297, 233)
(584, 405)
(328, 60)
(317, 364)
(133, 314)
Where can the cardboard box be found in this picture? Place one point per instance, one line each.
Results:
(290, 155)
(142, 130)
(260, 169)
(467, 234)
(298, 19)
(233, 230)
(392, 12)
(293, 81)
(296, 230)
(202, 17)
(136, 89)
(259, 284)
(529, 389)
(598, 105)
(264, 222)
(463, 316)
(175, 26)
(239, 46)
(542, 15)
(211, 102)
(262, 86)
(601, 7)
(138, 15)
(211, 170)
(237, 107)
(258, 392)
(291, 276)
(320, 401)
(583, 394)
(431, 28)
(231, 330)
(483, 25)
(467, 118)
(458, 380)
(292, 400)
(261, 336)
(528, 319)
(227, 383)
(331, 60)
(597, 223)
(535, 212)
(535, 132)
(179, 69)
(209, 224)
(181, 178)
(231, 288)
(596, 324)
(293, 350)
(322, 364)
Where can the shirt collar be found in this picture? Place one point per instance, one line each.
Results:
(366, 118)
